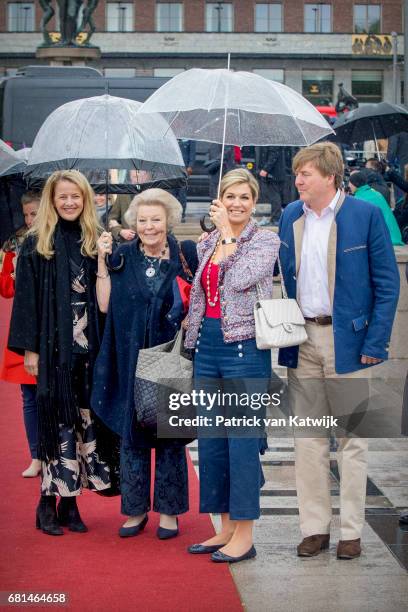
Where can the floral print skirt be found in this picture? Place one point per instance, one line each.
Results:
(78, 465)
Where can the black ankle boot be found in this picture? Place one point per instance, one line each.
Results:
(68, 515)
(46, 517)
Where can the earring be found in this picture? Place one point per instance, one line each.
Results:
(253, 210)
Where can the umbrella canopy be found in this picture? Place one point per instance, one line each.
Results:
(18, 165)
(371, 122)
(203, 104)
(105, 133)
(8, 158)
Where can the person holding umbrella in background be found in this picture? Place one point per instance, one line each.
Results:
(54, 325)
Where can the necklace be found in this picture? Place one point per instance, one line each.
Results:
(213, 302)
(151, 270)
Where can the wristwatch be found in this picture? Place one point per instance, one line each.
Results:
(228, 241)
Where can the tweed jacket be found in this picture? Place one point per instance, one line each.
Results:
(252, 263)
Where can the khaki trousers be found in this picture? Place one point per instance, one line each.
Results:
(316, 390)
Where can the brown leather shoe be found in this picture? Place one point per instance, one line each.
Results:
(348, 549)
(313, 545)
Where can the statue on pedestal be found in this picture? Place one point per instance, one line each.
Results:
(68, 17)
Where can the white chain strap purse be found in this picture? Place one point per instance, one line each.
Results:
(279, 323)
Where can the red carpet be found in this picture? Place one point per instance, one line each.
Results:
(99, 571)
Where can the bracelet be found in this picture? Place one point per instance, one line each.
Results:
(229, 241)
(106, 275)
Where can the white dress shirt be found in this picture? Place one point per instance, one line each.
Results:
(313, 281)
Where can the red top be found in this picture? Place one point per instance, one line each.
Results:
(12, 365)
(214, 312)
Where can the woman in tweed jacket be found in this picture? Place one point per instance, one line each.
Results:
(233, 260)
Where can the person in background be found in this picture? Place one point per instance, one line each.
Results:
(12, 366)
(270, 166)
(100, 206)
(188, 151)
(397, 154)
(120, 230)
(374, 170)
(54, 325)
(213, 165)
(362, 191)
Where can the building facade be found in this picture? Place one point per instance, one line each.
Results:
(312, 47)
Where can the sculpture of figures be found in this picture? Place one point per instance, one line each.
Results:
(68, 11)
(88, 20)
(48, 15)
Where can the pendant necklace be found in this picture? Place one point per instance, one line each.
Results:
(150, 270)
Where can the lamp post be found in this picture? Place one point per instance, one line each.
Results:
(395, 71)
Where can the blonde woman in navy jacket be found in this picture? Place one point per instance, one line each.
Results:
(233, 260)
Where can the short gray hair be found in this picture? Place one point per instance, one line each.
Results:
(155, 197)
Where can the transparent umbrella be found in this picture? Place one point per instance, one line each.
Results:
(104, 133)
(236, 108)
(9, 159)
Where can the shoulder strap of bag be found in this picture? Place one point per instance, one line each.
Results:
(282, 283)
(184, 263)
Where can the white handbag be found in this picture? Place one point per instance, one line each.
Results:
(279, 323)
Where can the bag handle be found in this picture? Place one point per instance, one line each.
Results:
(184, 263)
(282, 283)
(178, 341)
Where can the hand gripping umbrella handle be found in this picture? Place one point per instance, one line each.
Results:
(206, 228)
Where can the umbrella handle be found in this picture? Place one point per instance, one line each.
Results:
(206, 228)
(115, 268)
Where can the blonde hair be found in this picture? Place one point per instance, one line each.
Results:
(239, 176)
(47, 217)
(325, 157)
(155, 197)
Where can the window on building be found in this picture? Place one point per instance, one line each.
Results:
(119, 16)
(167, 72)
(21, 17)
(219, 17)
(268, 18)
(169, 17)
(317, 86)
(274, 74)
(367, 85)
(119, 72)
(318, 18)
(367, 18)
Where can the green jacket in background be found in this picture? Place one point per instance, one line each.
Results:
(370, 195)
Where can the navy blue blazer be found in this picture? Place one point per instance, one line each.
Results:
(363, 280)
(136, 319)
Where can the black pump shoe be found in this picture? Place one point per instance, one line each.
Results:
(129, 532)
(165, 534)
(46, 516)
(68, 515)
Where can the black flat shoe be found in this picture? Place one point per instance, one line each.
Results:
(129, 532)
(68, 515)
(220, 557)
(165, 534)
(200, 549)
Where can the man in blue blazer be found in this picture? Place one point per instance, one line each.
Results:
(338, 262)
